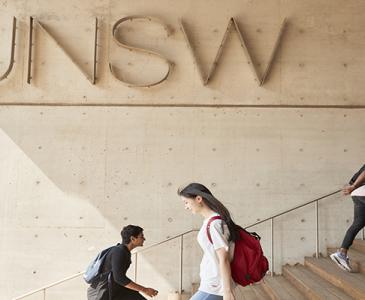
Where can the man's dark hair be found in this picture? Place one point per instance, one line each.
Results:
(129, 231)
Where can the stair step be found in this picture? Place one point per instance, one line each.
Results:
(251, 292)
(359, 245)
(177, 296)
(312, 285)
(351, 283)
(357, 259)
(279, 288)
(260, 292)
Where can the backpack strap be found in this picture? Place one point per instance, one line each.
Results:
(110, 285)
(254, 234)
(208, 227)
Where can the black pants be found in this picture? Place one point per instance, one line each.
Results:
(101, 292)
(358, 223)
(127, 294)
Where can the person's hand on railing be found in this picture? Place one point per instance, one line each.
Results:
(347, 190)
(150, 292)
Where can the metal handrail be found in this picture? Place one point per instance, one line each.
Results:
(44, 288)
(48, 286)
(165, 241)
(271, 219)
(294, 208)
(181, 236)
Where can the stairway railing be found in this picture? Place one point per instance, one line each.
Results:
(181, 238)
(271, 219)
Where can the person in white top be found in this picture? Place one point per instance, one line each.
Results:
(215, 270)
(356, 188)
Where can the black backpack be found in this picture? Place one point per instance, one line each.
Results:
(93, 270)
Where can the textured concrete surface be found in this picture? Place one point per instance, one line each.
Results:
(71, 177)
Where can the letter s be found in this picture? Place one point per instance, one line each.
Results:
(144, 51)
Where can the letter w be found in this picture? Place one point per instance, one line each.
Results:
(233, 23)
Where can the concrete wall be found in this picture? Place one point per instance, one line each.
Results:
(84, 161)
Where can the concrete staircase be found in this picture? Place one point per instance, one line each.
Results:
(316, 279)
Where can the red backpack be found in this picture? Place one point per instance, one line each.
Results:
(249, 265)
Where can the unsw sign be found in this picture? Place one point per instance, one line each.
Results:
(232, 25)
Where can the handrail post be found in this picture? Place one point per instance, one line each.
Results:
(317, 229)
(181, 263)
(44, 294)
(135, 267)
(272, 246)
(363, 234)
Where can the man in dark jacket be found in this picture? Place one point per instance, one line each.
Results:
(113, 283)
(356, 188)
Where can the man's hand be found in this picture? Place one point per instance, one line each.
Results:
(228, 296)
(348, 189)
(150, 292)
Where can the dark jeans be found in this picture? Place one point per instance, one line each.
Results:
(358, 223)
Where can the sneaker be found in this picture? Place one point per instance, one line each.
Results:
(341, 260)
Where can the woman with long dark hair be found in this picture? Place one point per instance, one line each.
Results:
(216, 237)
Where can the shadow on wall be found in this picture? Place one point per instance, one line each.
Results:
(73, 177)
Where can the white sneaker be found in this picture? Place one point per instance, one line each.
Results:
(341, 260)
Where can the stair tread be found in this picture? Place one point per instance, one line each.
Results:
(251, 292)
(315, 284)
(246, 293)
(342, 279)
(260, 292)
(359, 245)
(282, 288)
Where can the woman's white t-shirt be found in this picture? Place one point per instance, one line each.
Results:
(359, 191)
(211, 281)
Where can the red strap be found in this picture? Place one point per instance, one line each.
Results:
(208, 227)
